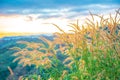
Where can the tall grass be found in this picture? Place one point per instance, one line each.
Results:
(92, 51)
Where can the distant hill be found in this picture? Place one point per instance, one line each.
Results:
(9, 34)
(6, 57)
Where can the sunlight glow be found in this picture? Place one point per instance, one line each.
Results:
(20, 24)
(32, 24)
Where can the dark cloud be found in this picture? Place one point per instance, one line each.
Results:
(49, 16)
(29, 18)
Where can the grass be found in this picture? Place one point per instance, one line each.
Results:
(91, 52)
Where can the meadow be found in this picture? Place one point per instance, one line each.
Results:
(89, 52)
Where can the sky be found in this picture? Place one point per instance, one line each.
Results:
(37, 15)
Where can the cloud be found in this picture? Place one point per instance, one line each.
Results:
(66, 12)
(72, 12)
(76, 11)
(62, 11)
(32, 4)
(32, 18)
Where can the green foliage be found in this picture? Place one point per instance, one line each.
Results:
(92, 52)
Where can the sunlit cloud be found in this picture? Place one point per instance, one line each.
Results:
(20, 24)
(39, 19)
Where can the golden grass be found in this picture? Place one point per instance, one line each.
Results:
(89, 49)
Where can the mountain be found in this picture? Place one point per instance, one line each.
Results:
(6, 57)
